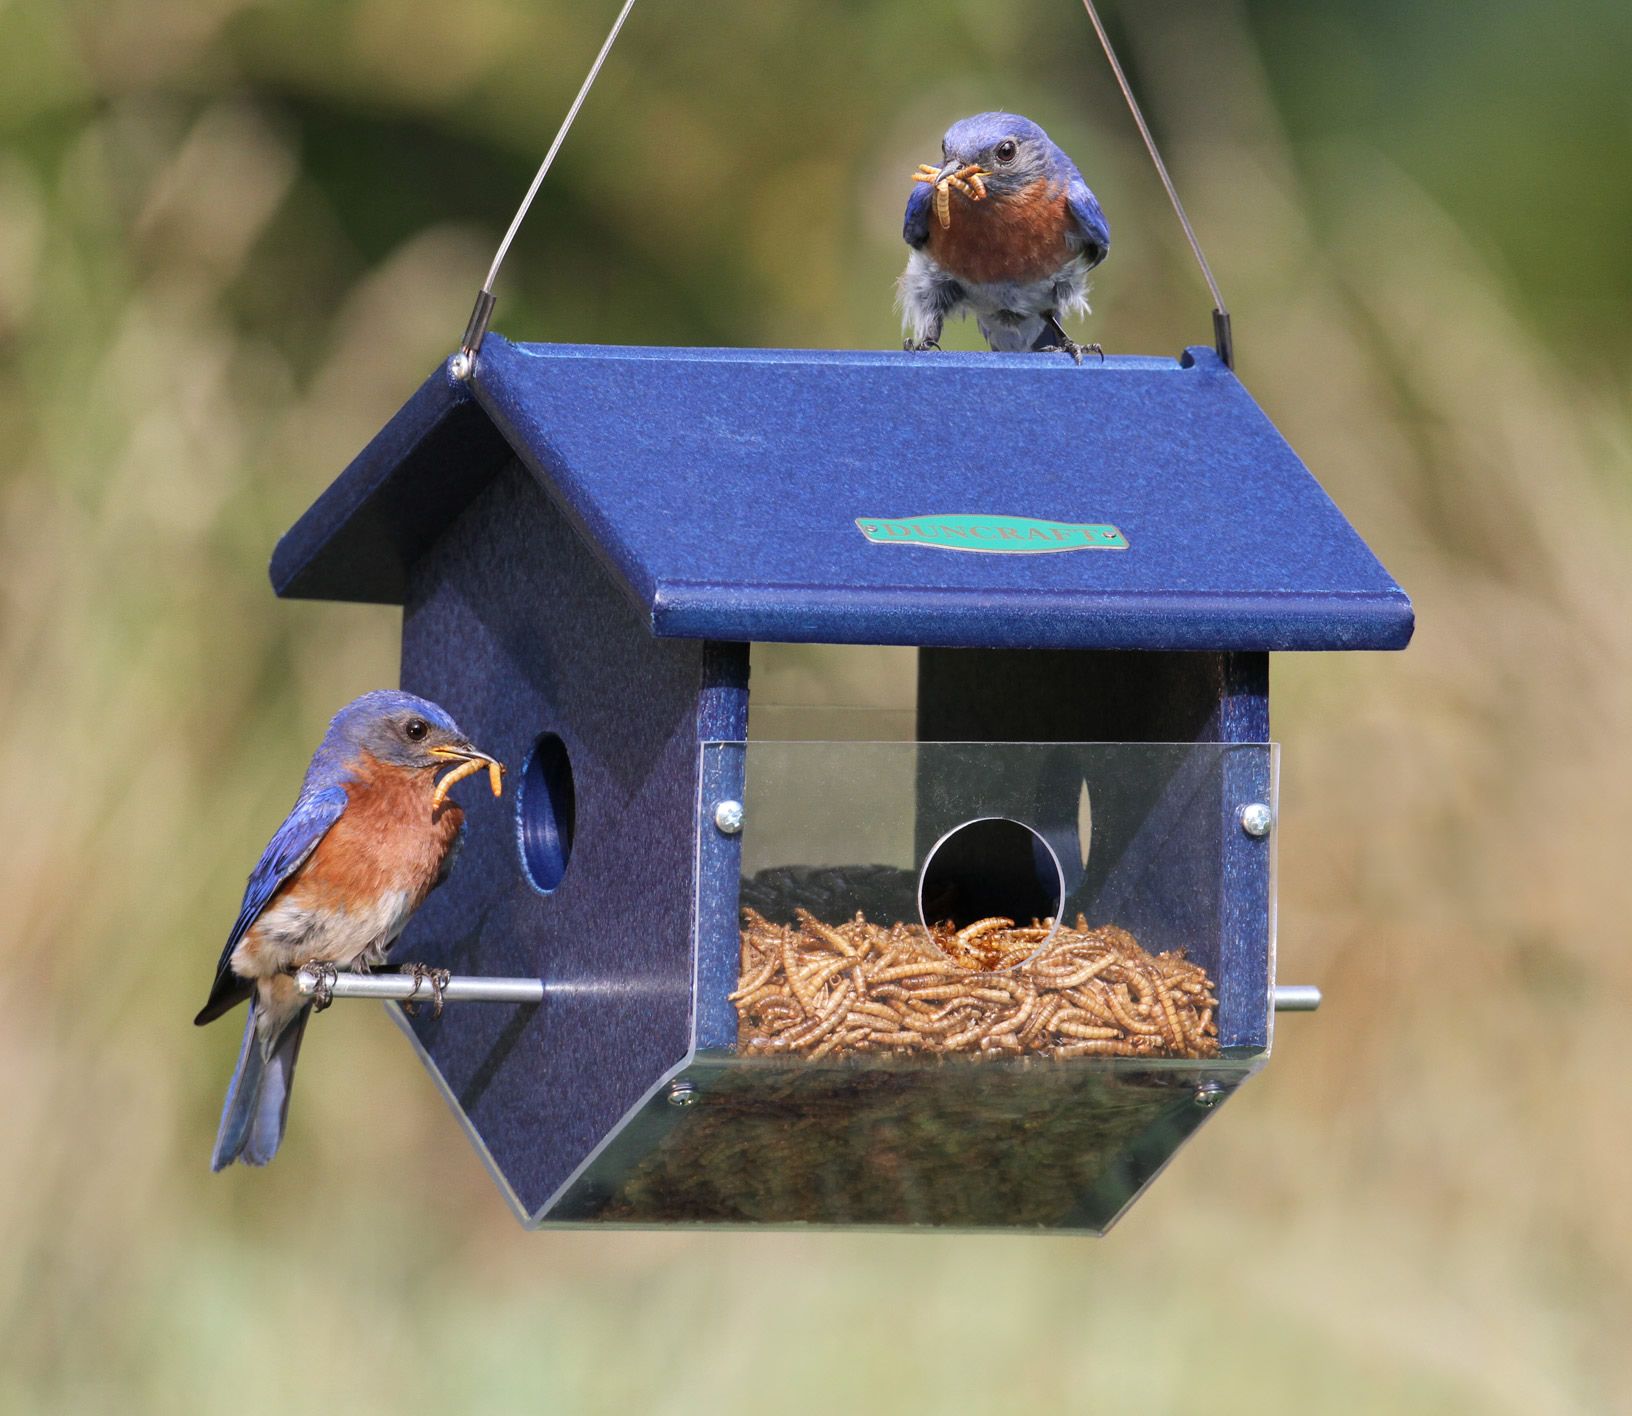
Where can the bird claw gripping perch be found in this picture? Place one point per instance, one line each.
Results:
(969, 180)
(436, 978)
(323, 993)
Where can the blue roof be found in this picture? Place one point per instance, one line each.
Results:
(726, 490)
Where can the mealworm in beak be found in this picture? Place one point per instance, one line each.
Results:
(459, 773)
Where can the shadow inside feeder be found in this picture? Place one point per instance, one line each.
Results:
(993, 867)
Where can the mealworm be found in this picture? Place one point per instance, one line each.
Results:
(813, 1031)
(1077, 977)
(1014, 1021)
(938, 968)
(1081, 1030)
(1171, 1016)
(816, 977)
(758, 981)
(823, 931)
(1047, 1009)
(878, 1010)
(465, 769)
(1122, 1016)
(1106, 1047)
(792, 974)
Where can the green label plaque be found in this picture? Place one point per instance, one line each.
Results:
(995, 535)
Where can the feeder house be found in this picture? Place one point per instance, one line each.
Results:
(989, 972)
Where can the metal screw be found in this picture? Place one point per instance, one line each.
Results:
(461, 366)
(728, 816)
(682, 1093)
(1256, 819)
(1208, 1094)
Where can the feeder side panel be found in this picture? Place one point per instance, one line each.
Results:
(1246, 937)
(512, 624)
(719, 853)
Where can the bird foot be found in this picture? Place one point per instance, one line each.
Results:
(425, 974)
(326, 973)
(919, 346)
(1075, 350)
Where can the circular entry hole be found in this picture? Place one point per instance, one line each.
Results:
(545, 809)
(989, 868)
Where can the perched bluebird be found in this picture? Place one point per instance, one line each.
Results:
(1006, 227)
(369, 837)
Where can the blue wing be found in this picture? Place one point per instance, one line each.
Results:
(915, 229)
(1089, 231)
(285, 853)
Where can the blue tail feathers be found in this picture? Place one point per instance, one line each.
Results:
(257, 1104)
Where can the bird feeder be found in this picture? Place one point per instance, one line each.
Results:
(592, 545)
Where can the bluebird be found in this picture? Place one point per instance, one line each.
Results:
(1006, 227)
(370, 835)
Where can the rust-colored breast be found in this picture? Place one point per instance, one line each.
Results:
(1019, 238)
(388, 839)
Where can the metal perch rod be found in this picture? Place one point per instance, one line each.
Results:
(402, 988)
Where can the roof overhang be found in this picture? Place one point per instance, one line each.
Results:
(730, 492)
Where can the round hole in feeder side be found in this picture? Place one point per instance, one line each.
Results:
(546, 809)
(991, 867)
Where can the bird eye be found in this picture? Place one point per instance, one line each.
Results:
(415, 729)
(1006, 150)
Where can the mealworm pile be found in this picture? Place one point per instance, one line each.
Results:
(816, 990)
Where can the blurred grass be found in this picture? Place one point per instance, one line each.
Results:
(233, 236)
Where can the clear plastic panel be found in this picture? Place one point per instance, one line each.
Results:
(1028, 1075)
(1010, 859)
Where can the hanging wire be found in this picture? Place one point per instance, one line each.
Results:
(1221, 316)
(482, 313)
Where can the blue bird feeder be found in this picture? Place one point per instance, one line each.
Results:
(591, 545)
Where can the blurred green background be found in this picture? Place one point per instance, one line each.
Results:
(235, 235)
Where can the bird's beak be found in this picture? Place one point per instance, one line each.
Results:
(948, 168)
(470, 760)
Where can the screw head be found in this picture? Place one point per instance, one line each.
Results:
(461, 366)
(682, 1093)
(728, 816)
(1256, 819)
(1208, 1094)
